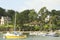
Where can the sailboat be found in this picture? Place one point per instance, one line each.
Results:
(14, 34)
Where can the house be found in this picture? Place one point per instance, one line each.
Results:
(47, 18)
(4, 20)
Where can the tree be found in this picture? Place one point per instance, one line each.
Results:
(23, 18)
(11, 14)
(32, 15)
(54, 22)
(43, 12)
(2, 12)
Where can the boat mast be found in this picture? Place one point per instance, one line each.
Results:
(15, 22)
(7, 24)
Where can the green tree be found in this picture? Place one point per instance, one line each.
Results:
(32, 15)
(23, 18)
(11, 14)
(43, 12)
(2, 12)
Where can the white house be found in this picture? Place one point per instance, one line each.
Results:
(4, 20)
(47, 18)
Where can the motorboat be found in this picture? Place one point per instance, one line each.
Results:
(52, 34)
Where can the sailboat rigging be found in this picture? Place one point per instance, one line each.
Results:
(15, 34)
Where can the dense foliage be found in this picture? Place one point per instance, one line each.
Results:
(30, 20)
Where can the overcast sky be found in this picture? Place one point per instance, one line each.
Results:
(19, 5)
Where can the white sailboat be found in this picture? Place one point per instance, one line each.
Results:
(14, 34)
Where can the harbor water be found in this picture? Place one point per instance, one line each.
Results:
(37, 37)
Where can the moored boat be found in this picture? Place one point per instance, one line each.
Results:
(15, 35)
(52, 34)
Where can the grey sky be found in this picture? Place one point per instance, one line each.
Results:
(19, 5)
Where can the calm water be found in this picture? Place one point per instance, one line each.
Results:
(34, 38)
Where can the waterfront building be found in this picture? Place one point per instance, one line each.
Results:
(3, 20)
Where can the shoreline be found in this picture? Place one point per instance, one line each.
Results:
(32, 31)
(57, 31)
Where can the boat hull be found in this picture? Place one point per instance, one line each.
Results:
(22, 36)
